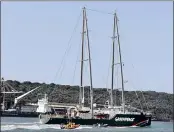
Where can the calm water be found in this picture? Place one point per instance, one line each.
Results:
(16, 124)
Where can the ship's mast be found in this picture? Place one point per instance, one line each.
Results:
(121, 64)
(81, 95)
(113, 61)
(82, 59)
(90, 67)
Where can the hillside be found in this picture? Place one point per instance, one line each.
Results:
(160, 103)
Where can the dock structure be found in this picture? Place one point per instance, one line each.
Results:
(8, 94)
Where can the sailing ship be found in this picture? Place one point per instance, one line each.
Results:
(119, 116)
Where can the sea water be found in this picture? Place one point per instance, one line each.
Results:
(23, 124)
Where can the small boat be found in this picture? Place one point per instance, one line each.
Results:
(69, 125)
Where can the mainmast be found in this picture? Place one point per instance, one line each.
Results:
(90, 67)
(82, 59)
(113, 61)
(121, 64)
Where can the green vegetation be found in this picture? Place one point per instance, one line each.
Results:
(159, 103)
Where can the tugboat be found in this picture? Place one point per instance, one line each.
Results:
(119, 116)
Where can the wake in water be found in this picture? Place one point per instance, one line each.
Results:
(38, 126)
(157, 127)
(32, 126)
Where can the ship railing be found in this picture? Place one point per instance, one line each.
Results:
(136, 113)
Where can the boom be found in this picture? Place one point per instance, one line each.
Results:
(24, 95)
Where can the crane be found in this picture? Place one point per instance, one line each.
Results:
(17, 99)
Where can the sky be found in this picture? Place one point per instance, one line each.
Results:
(35, 36)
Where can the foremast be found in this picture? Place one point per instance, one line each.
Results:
(85, 30)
